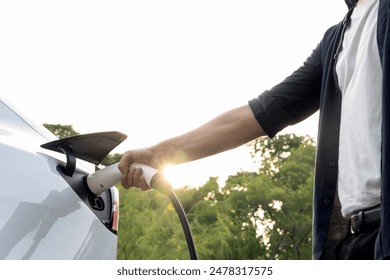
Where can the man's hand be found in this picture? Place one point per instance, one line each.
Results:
(133, 176)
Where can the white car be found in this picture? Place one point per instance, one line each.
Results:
(46, 210)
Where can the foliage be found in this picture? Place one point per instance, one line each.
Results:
(149, 227)
(61, 131)
(264, 215)
(111, 159)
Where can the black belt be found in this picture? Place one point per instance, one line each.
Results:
(365, 219)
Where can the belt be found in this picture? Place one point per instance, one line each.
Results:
(366, 218)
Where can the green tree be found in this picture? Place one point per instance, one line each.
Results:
(61, 131)
(264, 215)
(149, 227)
(111, 159)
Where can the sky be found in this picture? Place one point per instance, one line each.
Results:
(154, 69)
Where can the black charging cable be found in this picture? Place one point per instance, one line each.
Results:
(185, 225)
(164, 187)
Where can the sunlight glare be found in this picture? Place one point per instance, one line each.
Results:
(173, 176)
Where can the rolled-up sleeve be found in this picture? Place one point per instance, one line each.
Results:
(291, 101)
(269, 114)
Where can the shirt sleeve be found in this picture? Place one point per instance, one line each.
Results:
(292, 100)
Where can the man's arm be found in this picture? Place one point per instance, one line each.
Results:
(227, 131)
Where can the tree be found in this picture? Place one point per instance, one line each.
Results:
(255, 215)
(149, 227)
(61, 131)
(277, 202)
(111, 159)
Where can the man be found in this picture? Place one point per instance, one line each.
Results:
(347, 79)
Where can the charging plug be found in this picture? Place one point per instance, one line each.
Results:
(109, 176)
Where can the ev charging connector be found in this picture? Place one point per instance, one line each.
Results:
(105, 178)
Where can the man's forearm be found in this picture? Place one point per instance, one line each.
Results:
(227, 131)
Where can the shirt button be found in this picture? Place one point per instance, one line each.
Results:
(326, 201)
(332, 164)
(335, 128)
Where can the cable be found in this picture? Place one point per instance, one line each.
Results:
(185, 224)
(163, 186)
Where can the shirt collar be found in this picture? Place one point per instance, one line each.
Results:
(350, 3)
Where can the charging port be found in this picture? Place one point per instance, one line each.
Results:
(96, 203)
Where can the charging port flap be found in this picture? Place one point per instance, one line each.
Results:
(93, 147)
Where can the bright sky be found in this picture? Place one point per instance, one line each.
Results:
(153, 69)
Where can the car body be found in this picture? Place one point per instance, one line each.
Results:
(46, 214)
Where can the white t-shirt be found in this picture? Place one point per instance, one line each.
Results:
(359, 73)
